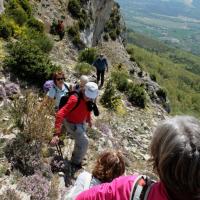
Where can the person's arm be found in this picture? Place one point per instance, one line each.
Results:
(60, 115)
(106, 63)
(99, 192)
(63, 112)
(119, 188)
(89, 119)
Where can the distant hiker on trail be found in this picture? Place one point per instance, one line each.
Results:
(175, 155)
(81, 84)
(60, 29)
(75, 114)
(101, 65)
(109, 165)
(56, 88)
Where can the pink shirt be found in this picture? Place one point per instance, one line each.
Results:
(120, 189)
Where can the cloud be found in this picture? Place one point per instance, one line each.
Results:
(188, 2)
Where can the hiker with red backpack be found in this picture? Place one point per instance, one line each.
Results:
(75, 114)
(175, 152)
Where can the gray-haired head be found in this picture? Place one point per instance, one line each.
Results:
(175, 150)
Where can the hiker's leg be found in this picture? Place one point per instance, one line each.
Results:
(98, 76)
(102, 77)
(69, 128)
(81, 144)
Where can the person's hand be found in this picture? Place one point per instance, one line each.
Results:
(54, 140)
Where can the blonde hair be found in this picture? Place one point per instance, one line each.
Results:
(175, 150)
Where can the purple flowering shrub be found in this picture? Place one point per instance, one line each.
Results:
(9, 194)
(57, 164)
(23, 154)
(36, 185)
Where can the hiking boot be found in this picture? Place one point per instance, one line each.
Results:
(76, 166)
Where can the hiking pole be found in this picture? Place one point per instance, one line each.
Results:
(59, 150)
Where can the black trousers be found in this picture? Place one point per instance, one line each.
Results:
(100, 75)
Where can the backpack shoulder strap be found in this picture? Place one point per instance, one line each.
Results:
(79, 96)
(141, 188)
(65, 84)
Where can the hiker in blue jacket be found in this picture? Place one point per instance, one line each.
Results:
(101, 65)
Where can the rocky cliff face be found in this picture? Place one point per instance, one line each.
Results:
(101, 10)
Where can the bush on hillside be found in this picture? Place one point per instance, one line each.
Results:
(83, 68)
(121, 80)
(6, 30)
(19, 15)
(28, 62)
(73, 30)
(26, 6)
(113, 35)
(23, 154)
(88, 55)
(106, 37)
(153, 77)
(42, 40)
(35, 24)
(110, 99)
(136, 95)
(162, 94)
(78, 43)
(36, 185)
(53, 27)
(9, 194)
(74, 8)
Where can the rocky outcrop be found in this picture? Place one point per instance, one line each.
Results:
(100, 13)
(101, 10)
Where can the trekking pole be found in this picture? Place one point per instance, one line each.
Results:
(59, 150)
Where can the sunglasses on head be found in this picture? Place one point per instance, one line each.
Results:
(60, 79)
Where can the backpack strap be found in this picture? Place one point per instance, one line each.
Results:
(66, 86)
(79, 96)
(141, 188)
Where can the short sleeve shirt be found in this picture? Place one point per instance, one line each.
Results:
(56, 93)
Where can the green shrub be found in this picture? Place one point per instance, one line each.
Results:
(26, 6)
(121, 80)
(82, 24)
(110, 99)
(113, 35)
(19, 15)
(5, 30)
(78, 42)
(136, 95)
(162, 94)
(83, 68)
(35, 24)
(28, 62)
(73, 30)
(153, 77)
(106, 37)
(54, 27)
(88, 55)
(42, 40)
(74, 8)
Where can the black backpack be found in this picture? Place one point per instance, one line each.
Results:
(141, 188)
(64, 99)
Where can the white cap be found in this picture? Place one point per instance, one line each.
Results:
(91, 90)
